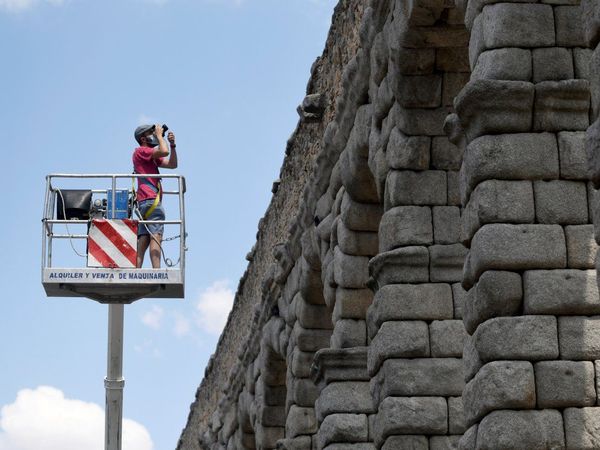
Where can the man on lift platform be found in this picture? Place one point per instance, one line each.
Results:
(147, 158)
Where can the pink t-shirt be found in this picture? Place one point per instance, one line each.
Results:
(144, 163)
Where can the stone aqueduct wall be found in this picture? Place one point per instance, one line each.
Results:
(424, 277)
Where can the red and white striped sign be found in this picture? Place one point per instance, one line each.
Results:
(112, 243)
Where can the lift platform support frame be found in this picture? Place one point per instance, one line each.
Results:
(115, 287)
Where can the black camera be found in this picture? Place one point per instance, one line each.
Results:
(165, 129)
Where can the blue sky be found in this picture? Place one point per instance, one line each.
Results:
(78, 76)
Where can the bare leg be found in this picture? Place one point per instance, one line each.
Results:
(155, 250)
(143, 242)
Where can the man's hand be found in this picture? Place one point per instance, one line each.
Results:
(171, 138)
(158, 130)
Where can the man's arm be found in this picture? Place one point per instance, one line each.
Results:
(171, 163)
(161, 151)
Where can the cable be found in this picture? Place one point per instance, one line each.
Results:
(67, 226)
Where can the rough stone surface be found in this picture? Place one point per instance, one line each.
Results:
(516, 247)
(411, 415)
(524, 156)
(522, 430)
(560, 292)
(499, 385)
(447, 338)
(342, 428)
(405, 225)
(410, 302)
(582, 426)
(579, 337)
(496, 294)
(559, 201)
(565, 383)
(398, 339)
(531, 338)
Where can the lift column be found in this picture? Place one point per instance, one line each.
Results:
(114, 381)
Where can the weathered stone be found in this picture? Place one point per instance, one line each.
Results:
(493, 106)
(408, 442)
(411, 415)
(592, 147)
(453, 188)
(349, 333)
(560, 201)
(518, 25)
(344, 397)
(569, 32)
(446, 224)
(446, 262)
(357, 178)
(301, 362)
(523, 156)
(405, 225)
(582, 427)
(515, 247)
(579, 337)
(405, 187)
(456, 416)
(413, 377)
(447, 338)
(565, 383)
(469, 439)
(560, 292)
(561, 105)
(581, 59)
(342, 428)
(496, 294)
(522, 430)
(452, 85)
(310, 340)
(402, 265)
(497, 201)
(458, 295)
(591, 19)
(356, 243)
(304, 392)
(360, 216)
(410, 302)
(352, 303)
(353, 446)
(445, 155)
(412, 61)
(398, 339)
(418, 91)
(504, 64)
(313, 316)
(531, 338)
(573, 161)
(499, 385)
(581, 246)
(267, 437)
(407, 152)
(554, 63)
(300, 421)
(444, 442)
(350, 271)
(471, 360)
(451, 59)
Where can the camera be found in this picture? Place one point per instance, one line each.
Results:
(165, 129)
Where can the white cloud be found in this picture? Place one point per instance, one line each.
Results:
(153, 318)
(213, 307)
(43, 419)
(15, 6)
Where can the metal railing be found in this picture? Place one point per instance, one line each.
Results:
(50, 219)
